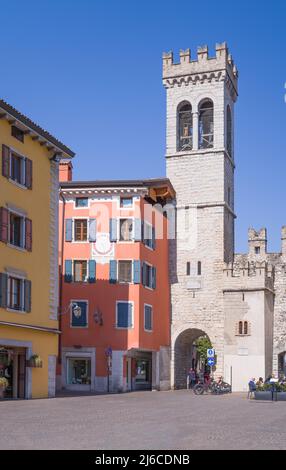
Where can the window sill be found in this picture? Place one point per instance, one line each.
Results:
(15, 247)
(12, 310)
(148, 247)
(124, 327)
(148, 331)
(76, 327)
(19, 185)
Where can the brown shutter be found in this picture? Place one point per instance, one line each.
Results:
(5, 161)
(4, 216)
(29, 173)
(28, 234)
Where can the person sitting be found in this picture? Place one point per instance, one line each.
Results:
(251, 388)
(260, 382)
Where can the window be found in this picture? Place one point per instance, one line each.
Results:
(199, 268)
(149, 235)
(17, 171)
(148, 276)
(257, 250)
(126, 202)
(78, 371)
(185, 127)
(17, 133)
(243, 328)
(16, 167)
(124, 315)
(229, 131)
(81, 202)
(16, 232)
(15, 293)
(188, 268)
(148, 317)
(124, 271)
(80, 271)
(126, 230)
(79, 314)
(206, 125)
(80, 230)
(143, 371)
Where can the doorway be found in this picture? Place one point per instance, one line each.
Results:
(13, 372)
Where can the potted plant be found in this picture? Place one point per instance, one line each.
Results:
(281, 392)
(264, 392)
(3, 385)
(35, 361)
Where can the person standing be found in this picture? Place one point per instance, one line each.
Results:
(192, 378)
(251, 388)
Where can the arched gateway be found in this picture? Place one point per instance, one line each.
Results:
(185, 355)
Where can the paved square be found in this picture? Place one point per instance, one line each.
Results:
(144, 420)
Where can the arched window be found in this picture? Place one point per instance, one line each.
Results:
(245, 328)
(240, 328)
(206, 125)
(185, 127)
(228, 131)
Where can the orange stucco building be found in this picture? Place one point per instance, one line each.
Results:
(114, 284)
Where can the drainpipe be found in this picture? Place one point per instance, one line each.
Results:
(61, 279)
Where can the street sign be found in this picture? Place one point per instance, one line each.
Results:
(210, 352)
(211, 361)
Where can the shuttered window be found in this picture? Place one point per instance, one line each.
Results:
(15, 229)
(126, 230)
(15, 293)
(148, 317)
(124, 315)
(16, 167)
(80, 230)
(125, 271)
(149, 276)
(80, 271)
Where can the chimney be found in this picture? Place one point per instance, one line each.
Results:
(65, 171)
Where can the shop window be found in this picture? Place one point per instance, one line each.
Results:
(125, 271)
(124, 315)
(142, 371)
(78, 371)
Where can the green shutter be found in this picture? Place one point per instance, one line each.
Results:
(112, 271)
(68, 270)
(27, 295)
(91, 271)
(3, 290)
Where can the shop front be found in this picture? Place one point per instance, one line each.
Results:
(139, 363)
(13, 374)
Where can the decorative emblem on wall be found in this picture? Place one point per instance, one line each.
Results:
(102, 250)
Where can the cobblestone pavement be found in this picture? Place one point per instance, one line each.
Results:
(143, 420)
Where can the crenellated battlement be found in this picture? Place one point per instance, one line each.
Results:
(248, 275)
(218, 67)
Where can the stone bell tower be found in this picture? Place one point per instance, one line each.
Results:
(200, 164)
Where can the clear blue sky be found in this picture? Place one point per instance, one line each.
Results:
(89, 71)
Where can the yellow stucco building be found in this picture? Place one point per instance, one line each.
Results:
(28, 256)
